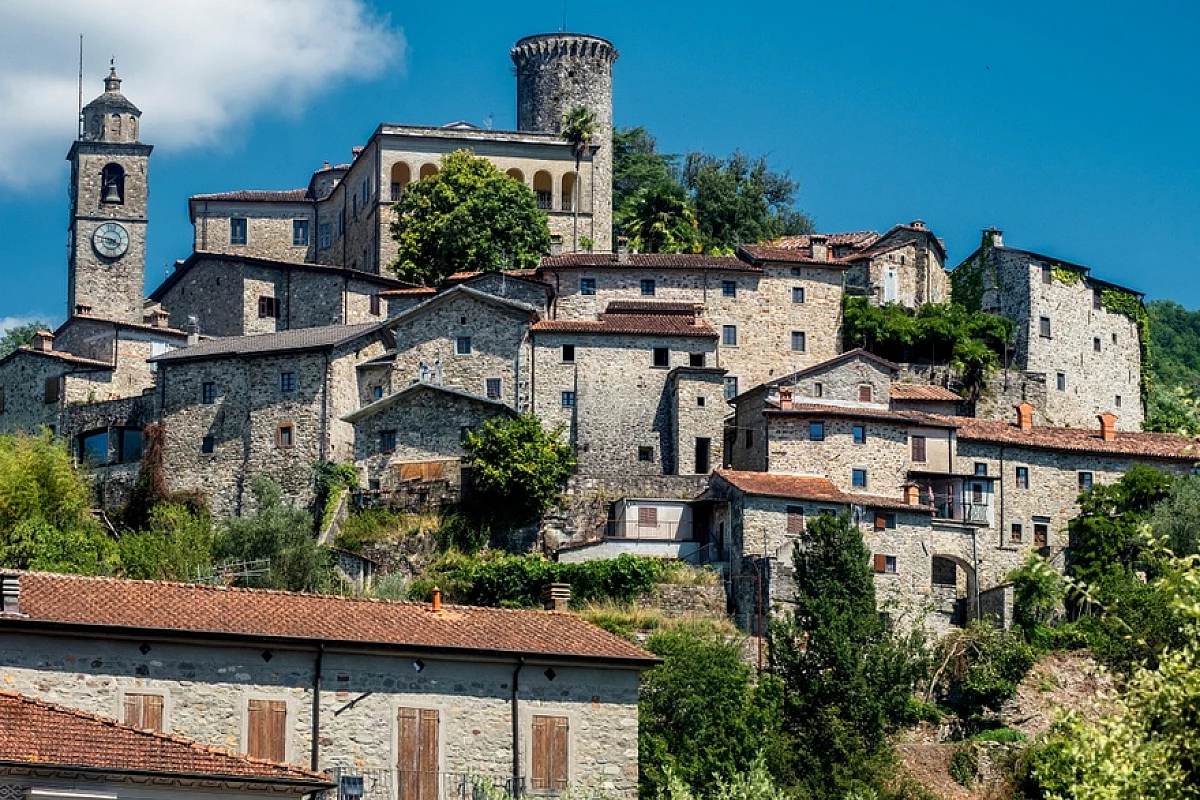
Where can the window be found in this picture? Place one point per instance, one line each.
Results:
(376, 305)
(387, 441)
(729, 335)
(208, 393)
(981, 469)
(285, 435)
(1114, 338)
(700, 401)
(1022, 477)
(919, 454)
(1096, 343)
(703, 451)
(1044, 327)
(208, 444)
(1, 401)
(551, 753)
(695, 359)
(237, 230)
(1047, 275)
(728, 288)
(50, 391)
(799, 342)
(662, 357)
(1016, 534)
(417, 760)
(795, 520)
(1060, 381)
(463, 346)
(300, 233)
(587, 286)
(112, 181)
(568, 399)
(1117, 401)
(645, 454)
(144, 711)
(885, 563)
(749, 438)
(568, 353)
(341, 222)
(647, 287)
(865, 393)
(376, 392)
(647, 517)
(1085, 481)
(977, 493)
(816, 431)
(858, 478)
(491, 388)
(287, 382)
(730, 386)
(266, 730)
(268, 307)
(797, 294)
(324, 235)
(818, 389)
(129, 445)
(860, 434)
(1097, 300)
(797, 272)
(1041, 534)
(884, 521)
(93, 448)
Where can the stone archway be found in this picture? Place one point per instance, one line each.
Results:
(953, 592)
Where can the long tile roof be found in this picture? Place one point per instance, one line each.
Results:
(43, 734)
(649, 260)
(671, 324)
(1088, 440)
(259, 196)
(804, 241)
(263, 343)
(159, 606)
(866, 412)
(922, 392)
(762, 252)
(808, 487)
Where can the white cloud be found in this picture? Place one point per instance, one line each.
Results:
(8, 323)
(195, 67)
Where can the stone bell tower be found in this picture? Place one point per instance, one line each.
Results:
(106, 273)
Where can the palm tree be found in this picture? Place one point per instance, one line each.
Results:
(659, 219)
(579, 127)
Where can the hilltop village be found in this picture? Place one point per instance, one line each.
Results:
(710, 400)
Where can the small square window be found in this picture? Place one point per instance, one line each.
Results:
(268, 307)
(858, 478)
(285, 436)
(980, 468)
(729, 288)
(797, 294)
(208, 444)
(1096, 343)
(462, 320)
(1016, 534)
(1044, 327)
(462, 347)
(568, 353)
(799, 342)
(1041, 534)
(237, 230)
(729, 335)
(860, 434)
(884, 521)
(730, 386)
(287, 382)
(208, 393)
(300, 233)
(1085, 481)
(695, 359)
(587, 286)
(491, 388)
(568, 399)
(889, 564)
(1022, 477)
(645, 454)
(1060, 381)
(700, 401)
(796, 272)
(387, 441)
(376, 305)
(818, 389)
(816, 431)
(662, 357)
(647, 287)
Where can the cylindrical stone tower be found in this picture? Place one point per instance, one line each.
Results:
(555, 73)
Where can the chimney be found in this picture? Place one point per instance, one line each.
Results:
(912, 494)
(82, 310)
(1024, 416)
(785, 398)
(556, 596)
(436, 604)
(43, 341)
(819, 246)
(622, 249)
(159, 318)
(193, 330)
(1108, 426)
(919, 224)
(994, 236)
(10, 593)
(556, 244)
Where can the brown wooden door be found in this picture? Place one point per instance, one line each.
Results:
(266, 730)
(417, 753)
(144, 711)
(551, 751)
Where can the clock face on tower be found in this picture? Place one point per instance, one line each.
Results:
(111, 240)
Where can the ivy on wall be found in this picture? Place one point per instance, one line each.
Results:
(1119, 301)
(1066, 275)
(969, 281)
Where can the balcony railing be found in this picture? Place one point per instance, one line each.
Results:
(387, 784)
(662, 531)
(960, 512)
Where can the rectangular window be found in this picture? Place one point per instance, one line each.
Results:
(568, 353)
(797, 294)
(1016, 534)
(885, 563)
(818, 389)
(266, 730)
(816, 431)
(980, 468)
(647, 287)
(730, 386)
(858, 478)
(268, 307)
(285, 436)
(729, 335)
(1041, 534)
(865, 393)
(749, 438)
(1, 401)
(1085, 481)
(237, 230)
(129, 445)
(587, 286)
(551, 753)
(795, 520)
(1097, 300)
(700, 401)
(1060, 381)
(50, 391)
(144, 711)
(729, 288)
(1096, 343)
(1047, 275)
(884, 521)
(919, 453)
(1022, 477)
(376, 305)
(491, 388)
(341, 219)
(325, 235)
(287, 382)
(645, 454)
(417, 761)
(799, 342)
(647, 517)
(208, 393)
(1117, 401)
(387, 441)
(1044, 327)
(93, 448)
(860, 434)
(208, 444)
(703, 455)
(300, 233)
(568, 399)
(662, 357)
(462, 346)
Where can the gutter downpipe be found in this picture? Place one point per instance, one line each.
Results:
(315, 749)
(516, 729)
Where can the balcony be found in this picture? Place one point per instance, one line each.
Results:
(974, 513)
(387, 784)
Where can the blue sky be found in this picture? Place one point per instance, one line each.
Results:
(1073, 126)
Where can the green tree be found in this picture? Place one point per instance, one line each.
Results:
(740, 200)
(637, 166)
(177, 545)
(469, 216)
(518, 468)
(579, 127)
(659, 219)
(20, 335)
(1176, 518)
(1105, 537)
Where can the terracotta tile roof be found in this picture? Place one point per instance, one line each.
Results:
(36, 732)
(458, 277)
(415, 291)
(263, 614)
(899, 417)
(651, 307)
(759, 252)
(922, 392)
(61, 356)
(635, 324)
(808, 487)
(263, 343)
(649, 260)
(804, 241)
(1087, 440)
(259, 196)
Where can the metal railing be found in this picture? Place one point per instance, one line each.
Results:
(355, 783)
(662, 531)
(961, 512)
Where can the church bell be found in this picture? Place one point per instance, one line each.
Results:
(111, 193)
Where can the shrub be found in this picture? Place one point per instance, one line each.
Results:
(985, 668)
(517, 469)
(1038, 592)
(332, 480)
(177, 546)
(964, 765)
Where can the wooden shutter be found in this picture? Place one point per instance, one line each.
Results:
(795, 520)
(144, 711)
(551, 752)
(647, 517)
(918, 448)
(864, 393)
(880, 520)
(266, 730)
(880, 562)
(417, 753)
(51, 391)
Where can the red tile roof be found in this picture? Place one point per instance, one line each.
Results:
(259, 196)
(808, 487)
(417, 291)
(635, 324)
(40, 733)
(1146, 445)
(853, 238)
(921, 392)
(760, 252)
(652, 307)
(457, 277)
(649, 260)
(261, 613)
(899, 417)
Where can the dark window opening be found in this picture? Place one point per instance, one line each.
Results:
(462, 347)
(237, 230)
(645, 454)
(647, 287)
(268, 307)
(662, 357)
(112, 184)
(287, 382)
(492, 388)
(387, 441)
(703, 454)
(587, 286)
(729, 288)
(208, 393)
(695, 359)
(208, 444)
(568, 399)
(568, 353)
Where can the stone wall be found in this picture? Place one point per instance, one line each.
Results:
(1007, 388)
(268, 229)
(884, 454)
(699, 412)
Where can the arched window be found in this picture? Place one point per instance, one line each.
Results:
(96, 123)
(112, 184)
(543, 187)
(428, 171)
(568, 192)
(132, 127)
(116, 126)
(516, 175)
(401, 177)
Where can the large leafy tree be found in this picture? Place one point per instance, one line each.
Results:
(518, 467)
(19, 335)
(638, 166)
(1105, 539)
(470, 216)
(659, 219)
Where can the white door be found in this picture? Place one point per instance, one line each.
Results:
(889, 286)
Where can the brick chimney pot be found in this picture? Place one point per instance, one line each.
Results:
(1108, 426)
(1024, 416)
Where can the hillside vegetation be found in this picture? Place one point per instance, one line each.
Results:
(1174, 402)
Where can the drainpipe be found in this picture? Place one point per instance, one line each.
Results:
(315, 750)
(516, 729)
(325, 411)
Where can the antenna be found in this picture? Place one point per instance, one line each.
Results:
(79, 134)
(564, 27)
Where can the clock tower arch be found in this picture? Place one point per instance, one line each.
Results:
(109, 193)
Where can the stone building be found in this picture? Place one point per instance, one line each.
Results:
(1079, 332)
(416, 700)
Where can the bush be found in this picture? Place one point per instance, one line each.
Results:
(332, 480)
(964, 765)
(517, 469)
(370, 526)
(1038, 592)
(178, 545)
(985, 668)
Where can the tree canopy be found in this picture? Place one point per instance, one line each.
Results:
(19, 335)
(518, 467)
(469, 216)
(1105, 535)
